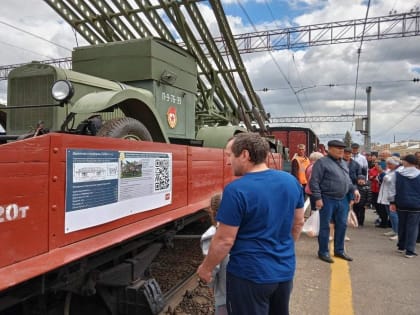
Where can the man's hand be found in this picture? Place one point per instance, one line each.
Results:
(220, 247)
(319, 204)
(392, 207)
(356, 196)
(203, 274)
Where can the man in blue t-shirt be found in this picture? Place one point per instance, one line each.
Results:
(260, 217)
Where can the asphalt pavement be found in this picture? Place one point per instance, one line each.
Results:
(379, 281)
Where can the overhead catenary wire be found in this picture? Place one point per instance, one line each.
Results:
(34, 35)
(389, 128)
(291, 53)
(417, 132)
(25, 49)
(372, 83)
(274, 60)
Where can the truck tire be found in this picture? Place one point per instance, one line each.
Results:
(126, 128)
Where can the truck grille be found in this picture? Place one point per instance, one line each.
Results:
(34, 90)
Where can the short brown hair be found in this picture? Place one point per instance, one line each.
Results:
(214, 206)
(256, 146)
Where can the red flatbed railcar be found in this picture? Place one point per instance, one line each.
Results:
(33, 192)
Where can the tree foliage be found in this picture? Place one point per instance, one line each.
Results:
(347, 139)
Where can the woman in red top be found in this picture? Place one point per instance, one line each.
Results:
(374, 175)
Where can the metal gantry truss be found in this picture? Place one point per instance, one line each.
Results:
(375, 28)
(221, 80)
(383, 27)
(322, 118)
(64, 63)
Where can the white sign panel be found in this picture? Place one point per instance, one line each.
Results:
(102, 185)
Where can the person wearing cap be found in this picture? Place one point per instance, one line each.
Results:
(354, 168)
(330, 183)
(299, 164)
(407, 204)
(386, 190)
(359, 158)
(354, 171)
(365, 199)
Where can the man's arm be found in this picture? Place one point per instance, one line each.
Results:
(295, 168)
(298, 222)
(220, 247)
(392, 193)
(316, 178)
(353, 189)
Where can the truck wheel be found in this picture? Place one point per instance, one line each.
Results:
(126, 128)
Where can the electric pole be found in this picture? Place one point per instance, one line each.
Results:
(368, 120)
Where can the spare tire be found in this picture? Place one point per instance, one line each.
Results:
(125, 128)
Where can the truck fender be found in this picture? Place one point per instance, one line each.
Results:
(218, 136)
(136, 104)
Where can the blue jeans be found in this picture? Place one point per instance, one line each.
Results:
(337, 211)
(393, 217)
(244, 297)
(408, 229)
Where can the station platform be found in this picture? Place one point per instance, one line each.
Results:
(379, 281)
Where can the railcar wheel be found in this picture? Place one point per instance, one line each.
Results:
(125, 128)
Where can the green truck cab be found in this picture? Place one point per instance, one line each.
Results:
(142, 89)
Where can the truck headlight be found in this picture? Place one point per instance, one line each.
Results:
(62, 90)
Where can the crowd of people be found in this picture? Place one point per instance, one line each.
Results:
(251, 261)
(379, 178)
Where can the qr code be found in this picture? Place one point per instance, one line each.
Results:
(161, 174)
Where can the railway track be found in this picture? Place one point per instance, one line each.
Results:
(174, 269)
(190, 297)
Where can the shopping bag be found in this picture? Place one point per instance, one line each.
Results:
(311, 226)
(352, 220)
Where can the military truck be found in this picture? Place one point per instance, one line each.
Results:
(142, 89)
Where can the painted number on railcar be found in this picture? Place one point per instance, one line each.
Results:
(12, 212)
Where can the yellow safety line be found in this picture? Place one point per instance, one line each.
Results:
(341, 302)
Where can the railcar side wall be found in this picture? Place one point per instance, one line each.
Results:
(32, 200)
(24, 191)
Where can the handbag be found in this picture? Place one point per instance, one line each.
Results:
(311, 225)
(352, 219)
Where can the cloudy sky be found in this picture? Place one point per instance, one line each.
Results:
(388, 66)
